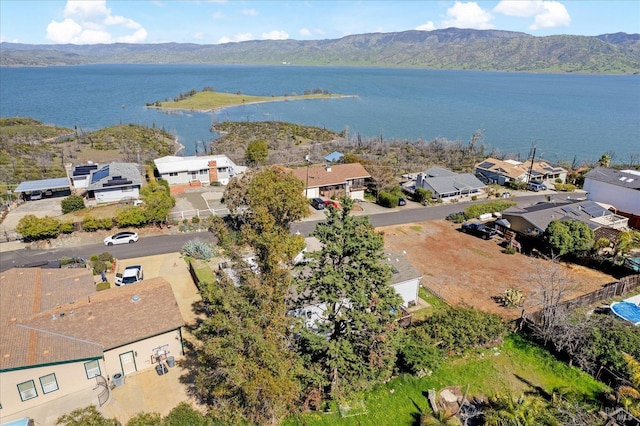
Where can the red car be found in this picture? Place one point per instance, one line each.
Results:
(331, 203)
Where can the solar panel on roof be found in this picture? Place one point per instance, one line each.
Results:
(487, 165)
(98, 175)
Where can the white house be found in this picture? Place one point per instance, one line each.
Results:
(497, 171)
(115, 182)
(61, 337)
(80, 174)
(203, 169)
(619, 188)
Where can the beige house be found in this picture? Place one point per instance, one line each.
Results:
(335, 180)
(59, 336)
(497, 171)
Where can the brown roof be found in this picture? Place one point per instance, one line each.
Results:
(336, 174)
(53, 316)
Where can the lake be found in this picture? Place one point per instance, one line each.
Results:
(563, 115)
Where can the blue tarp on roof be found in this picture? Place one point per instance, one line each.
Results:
(334, 156)
(43, 185)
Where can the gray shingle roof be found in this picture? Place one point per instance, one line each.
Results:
(455, 183)
(624, 178)
(108, 176)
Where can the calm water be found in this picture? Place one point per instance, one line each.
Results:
(563, 115)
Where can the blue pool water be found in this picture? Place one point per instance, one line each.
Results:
(627, 310)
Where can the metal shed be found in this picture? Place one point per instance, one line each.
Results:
(55, 185)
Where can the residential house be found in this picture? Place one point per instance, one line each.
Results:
(497, 171)
(55, 187)
(533, 220)
(445, 184)
(115, 182)
(80, 174)
(335, 180)
(203, 170)
(60, 337)
(618, 188)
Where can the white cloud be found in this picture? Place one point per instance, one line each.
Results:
(275, 35)
(236, 38)
(305, 32)
(546, 14)
(90, 21)
(429, 26)
(250, 12)
(468, 15)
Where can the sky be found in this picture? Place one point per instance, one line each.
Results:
(220, 21)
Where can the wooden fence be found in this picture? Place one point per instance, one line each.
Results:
(609, 291)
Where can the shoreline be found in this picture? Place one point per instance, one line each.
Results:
(169, 110)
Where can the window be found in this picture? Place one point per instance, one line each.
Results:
(49, 383)
(204, 172)
(92, 368)
(173, 174)
(27, 390)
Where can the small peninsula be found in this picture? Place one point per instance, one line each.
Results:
(209, 100)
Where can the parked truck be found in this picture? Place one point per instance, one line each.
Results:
(130, 275)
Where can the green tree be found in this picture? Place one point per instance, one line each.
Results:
(257, 152)
(145, 419)
(34, 228)
(422, 195)
(184, 414)
(629, 395)
(72, 203)
(354, 347)
(568, 237)
(247, 370)
(265, 203)
(158, 202)
(88, 416)
(130, 216)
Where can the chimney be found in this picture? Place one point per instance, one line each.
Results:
(213, 171)
(328, 168)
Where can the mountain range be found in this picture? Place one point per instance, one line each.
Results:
(450, 48)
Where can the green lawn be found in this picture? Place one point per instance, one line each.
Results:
(517, 366)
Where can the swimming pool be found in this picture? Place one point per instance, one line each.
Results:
(628, 309)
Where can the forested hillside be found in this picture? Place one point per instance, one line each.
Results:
(449, 48)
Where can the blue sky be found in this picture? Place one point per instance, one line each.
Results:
(215, 22)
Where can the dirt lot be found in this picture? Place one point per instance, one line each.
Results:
(463, 269)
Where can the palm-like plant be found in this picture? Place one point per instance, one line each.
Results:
(522, 410)
(629, 396)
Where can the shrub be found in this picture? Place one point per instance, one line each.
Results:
(102, 286)
(457, 217)
(195, 219)
(509, 250)
(565, 187)
(493, 206)
(462, 328)
(418, 351)
(184, 414)
(90, 224)
(105, 257)
(105, 223)
(511, 298)
(422, 195)
(72, 203)
(130, 216)
(198, 249)
(387, 199)
(474, 198)
(99, 266)
(33, 228)
(66, 227)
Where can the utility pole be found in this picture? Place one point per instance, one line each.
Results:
(307, 158)
(531, 166)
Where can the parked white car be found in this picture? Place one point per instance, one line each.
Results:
(121, 238)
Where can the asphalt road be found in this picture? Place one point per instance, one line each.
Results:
(150, 246)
